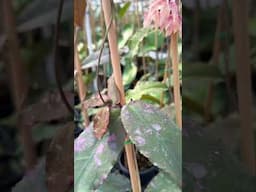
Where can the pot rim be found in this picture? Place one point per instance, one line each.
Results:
(143, 172)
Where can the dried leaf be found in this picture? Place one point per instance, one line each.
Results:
(113, 91)
(101, 121)
(96, 101)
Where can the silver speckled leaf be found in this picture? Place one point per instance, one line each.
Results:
(155, 135)
(115, 182)
(93, 158)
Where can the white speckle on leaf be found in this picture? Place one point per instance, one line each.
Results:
(157, 127)
(153, 185)
(138, 132)
(149, 131)
(140, 140)
(97, 161)
(100, 149)
(125, 113)
(103, 178)
(79, 144)
(98, 152)
(148, 109)
(145, 153)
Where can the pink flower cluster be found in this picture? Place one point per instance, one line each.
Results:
(164, 15)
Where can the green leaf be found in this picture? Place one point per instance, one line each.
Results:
(150, 98)
(122, 11)
(126, 34)
(95, 158)
(155, 135)
(162, 183)
(150, 42)
(137, 38)
(115, 182)
(130, 71)
(152, 88)
(88, 78)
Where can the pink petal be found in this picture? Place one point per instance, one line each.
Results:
(163, 15)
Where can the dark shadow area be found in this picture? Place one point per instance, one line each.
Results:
(36, 128)
(219, 112)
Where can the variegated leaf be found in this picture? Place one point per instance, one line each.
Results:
(155, 135)
(95, 158)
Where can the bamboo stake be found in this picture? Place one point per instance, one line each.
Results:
(79, 12)
(243, 73)
(112, 38)
(81, 86)
(176, 80)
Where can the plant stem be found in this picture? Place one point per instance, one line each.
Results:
(112, 38)
(167, 69)
(243, 74)
(176, 80)
(157, 58)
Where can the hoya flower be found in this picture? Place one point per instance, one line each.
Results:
(164, 15)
